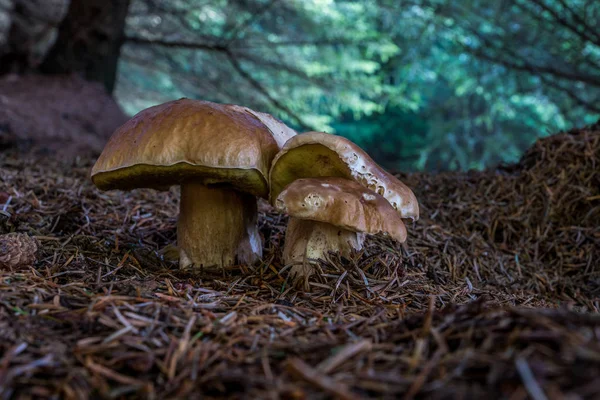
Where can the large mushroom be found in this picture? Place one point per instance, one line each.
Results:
(332, 214)
(219, 155)
(318, 156)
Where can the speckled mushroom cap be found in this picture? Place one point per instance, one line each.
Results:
(318, 154)
(343, 203)
(188, 139)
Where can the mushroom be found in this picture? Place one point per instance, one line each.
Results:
(332, 214)
(322, 155)
(315, 154)
(220, 156)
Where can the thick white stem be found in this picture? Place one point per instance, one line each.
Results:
(307, 241)
(217, 227)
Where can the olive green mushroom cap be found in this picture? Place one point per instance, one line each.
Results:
(318, 154)
(191, 140)
(343, 203)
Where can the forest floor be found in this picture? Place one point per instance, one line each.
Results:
(496, 293)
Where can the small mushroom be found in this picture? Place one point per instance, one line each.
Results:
(318, 154)
(219, 154)
(322, 155)
(332, 214)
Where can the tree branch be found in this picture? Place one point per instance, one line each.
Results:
(564, 22)
(178, 44)
(532, 69)
(247, 45)
(525, 65)
(576, 17)
(258, 86)
(549, 82)
(291, 43)
(239, 29)
(183, 80)
(589, 105)
(273, 65)
(547, 25)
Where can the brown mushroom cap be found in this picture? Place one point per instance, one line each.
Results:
(343, 203)
(187, 139)
(318, 154)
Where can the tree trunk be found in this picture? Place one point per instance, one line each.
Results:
(89, 41)
(28, 29)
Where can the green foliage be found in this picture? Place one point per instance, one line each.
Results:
(419, 84)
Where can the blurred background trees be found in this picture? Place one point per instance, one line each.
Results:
(420, 84)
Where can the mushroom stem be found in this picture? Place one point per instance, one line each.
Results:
(217, 227)
(307, 240)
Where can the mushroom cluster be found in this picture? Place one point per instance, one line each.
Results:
(335, 194)
(224, 157)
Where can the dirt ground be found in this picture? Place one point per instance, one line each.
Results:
(496, 293)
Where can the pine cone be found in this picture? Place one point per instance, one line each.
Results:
(17, 250)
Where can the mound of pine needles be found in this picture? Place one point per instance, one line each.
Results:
(496, 292)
